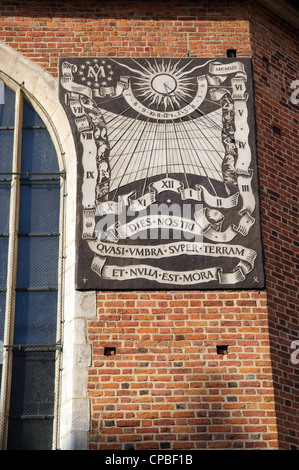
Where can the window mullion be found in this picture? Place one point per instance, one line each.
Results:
(11, 269)
(59, 316)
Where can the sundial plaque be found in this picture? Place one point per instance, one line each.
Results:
(167, 184)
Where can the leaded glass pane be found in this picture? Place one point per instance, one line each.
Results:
(7, 110)
(38, 151)
(3, 261)
(37, 262)
(4, 206)
(6, 150)
(30, 116)
(36, 318)
(39, 207)
(32, 401)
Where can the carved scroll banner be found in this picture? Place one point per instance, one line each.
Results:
(167, 183)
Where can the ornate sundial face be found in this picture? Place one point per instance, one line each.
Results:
(167, 177)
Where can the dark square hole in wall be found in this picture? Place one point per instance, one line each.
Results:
(129, 447)
(276, 130)
(231, 52)
(222, 349)
(108, 351)
(266, 63)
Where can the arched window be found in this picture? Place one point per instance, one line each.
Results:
(31, 256)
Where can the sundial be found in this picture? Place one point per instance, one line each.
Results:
(167, 172)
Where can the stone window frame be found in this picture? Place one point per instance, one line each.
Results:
(73, 410)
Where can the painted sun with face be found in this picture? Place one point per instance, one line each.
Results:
(162, 84)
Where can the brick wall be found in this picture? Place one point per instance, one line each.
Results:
(45, 31)
(276, 66)
(166, 386)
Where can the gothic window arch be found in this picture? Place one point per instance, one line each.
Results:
(32, 193)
